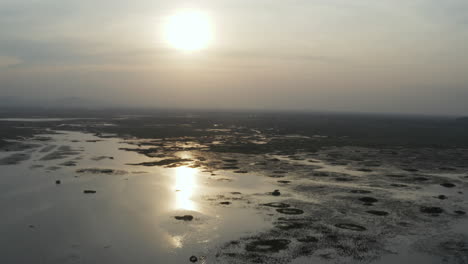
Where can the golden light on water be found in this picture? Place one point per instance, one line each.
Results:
(185, 185)
(177, 241)
(189, 30)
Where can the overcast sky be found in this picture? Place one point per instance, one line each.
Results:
(339, 55)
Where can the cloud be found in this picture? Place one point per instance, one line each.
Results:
(6, 61)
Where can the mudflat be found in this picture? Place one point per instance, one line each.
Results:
(233, 188)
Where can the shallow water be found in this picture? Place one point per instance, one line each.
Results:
(130, 218)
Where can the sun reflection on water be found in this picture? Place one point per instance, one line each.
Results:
(177, 241)
(185, 185)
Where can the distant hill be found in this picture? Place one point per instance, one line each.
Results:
(12, 101)
(77, 102)
(463, 119)
(66, 102)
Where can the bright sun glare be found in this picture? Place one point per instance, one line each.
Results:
(189, 30)
(185, 185)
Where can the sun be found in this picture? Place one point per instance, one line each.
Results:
(189, 30)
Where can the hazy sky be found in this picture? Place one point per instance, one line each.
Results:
(341, 55)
